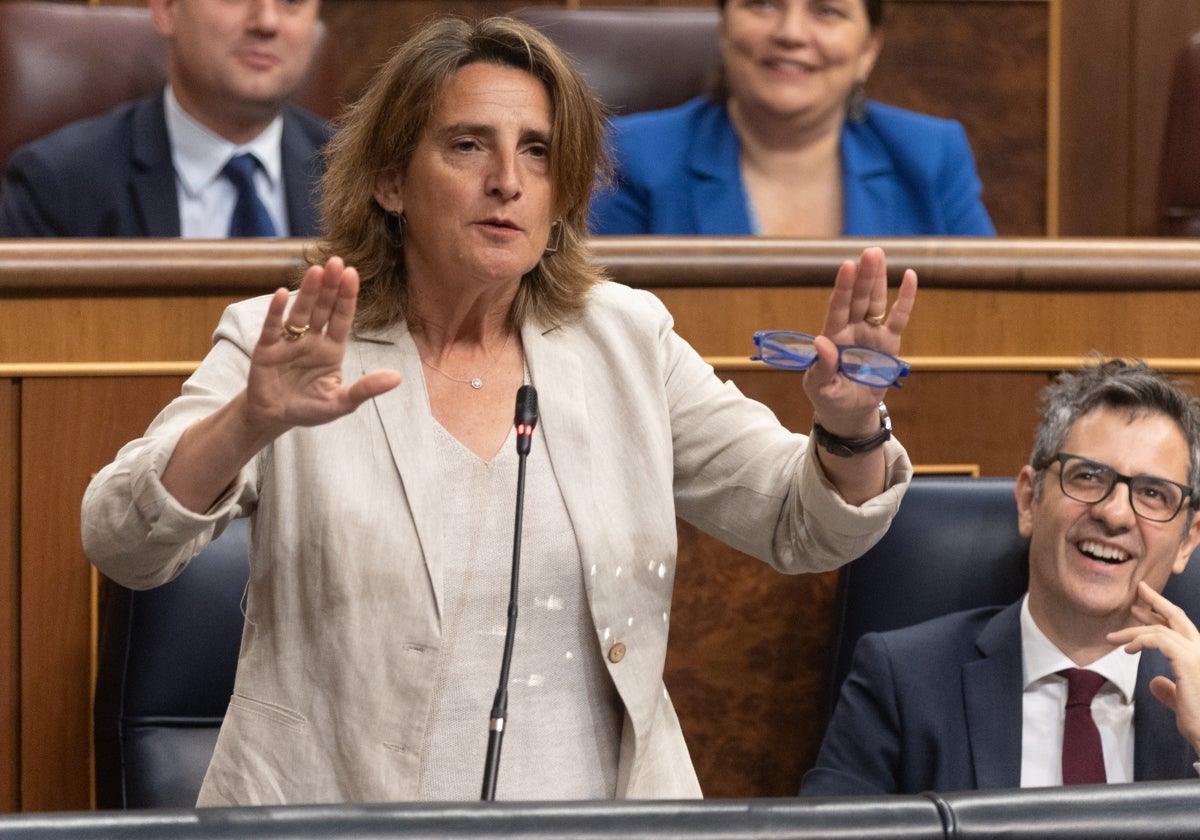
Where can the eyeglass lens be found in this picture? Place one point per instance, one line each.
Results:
(798, 351)
(1152, 498)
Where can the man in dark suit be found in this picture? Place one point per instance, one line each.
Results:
(157, 166)
(976, 699)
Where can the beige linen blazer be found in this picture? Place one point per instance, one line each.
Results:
(345, 599)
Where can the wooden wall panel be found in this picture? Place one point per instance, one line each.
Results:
(1095, 86)
(1116, 57)
(1161, 28)
(747, 667)
(10, 580)
(958, 322)
(71, 428)
(995, 86)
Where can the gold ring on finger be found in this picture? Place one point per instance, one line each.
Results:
(292, 333)
(876, 319)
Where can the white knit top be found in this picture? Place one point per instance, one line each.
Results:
(562, 736)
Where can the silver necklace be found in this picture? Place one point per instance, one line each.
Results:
(475, 382)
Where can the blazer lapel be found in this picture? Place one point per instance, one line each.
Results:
(868, 181)
(556, 369)
(1159, 751)
(301, 177)
(992, 699)
(407, 423)
(718, 194)
(152, 179)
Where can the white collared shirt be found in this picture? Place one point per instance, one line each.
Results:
(1043, 708)
(206, 199)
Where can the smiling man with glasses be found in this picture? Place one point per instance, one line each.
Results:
(995, 697)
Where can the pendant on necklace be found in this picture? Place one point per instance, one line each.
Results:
(476, 383)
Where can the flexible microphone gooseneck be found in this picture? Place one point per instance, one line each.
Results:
(526, 419)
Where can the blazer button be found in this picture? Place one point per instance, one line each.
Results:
(616, 653)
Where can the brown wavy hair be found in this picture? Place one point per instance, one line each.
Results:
(379, 134)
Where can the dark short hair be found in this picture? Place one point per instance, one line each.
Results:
(1129, 386)
(874, 11)
(379, 133)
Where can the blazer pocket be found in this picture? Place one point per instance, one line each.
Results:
(270, 711)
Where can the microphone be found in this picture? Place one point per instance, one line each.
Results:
(526, 418)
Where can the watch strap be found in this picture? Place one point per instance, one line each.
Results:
(846, 447)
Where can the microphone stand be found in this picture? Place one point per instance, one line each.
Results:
(526, 419)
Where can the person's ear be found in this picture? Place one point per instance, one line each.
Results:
(1191, 538)
(866, 61)
(1025, 500)
(389, 191)
(162, 14)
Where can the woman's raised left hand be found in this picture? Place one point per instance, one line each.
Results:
(858, 314)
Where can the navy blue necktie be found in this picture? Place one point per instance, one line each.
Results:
(250, 217)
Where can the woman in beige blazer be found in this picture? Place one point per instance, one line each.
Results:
(364, 423)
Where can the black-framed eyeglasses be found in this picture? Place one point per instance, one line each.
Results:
(797, 351)
(1151, 497)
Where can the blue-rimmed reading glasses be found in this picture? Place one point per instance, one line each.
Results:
(798, 351)
(1151, 497)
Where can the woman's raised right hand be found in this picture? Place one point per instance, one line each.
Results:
(296, 368)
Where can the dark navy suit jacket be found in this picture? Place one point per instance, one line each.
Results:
(937, 707)
(903, 174)
(112, 175)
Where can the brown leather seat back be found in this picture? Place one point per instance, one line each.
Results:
(61, 62)
(636, 58)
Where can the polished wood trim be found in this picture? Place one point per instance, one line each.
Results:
(50, 370)
(38, 267)
(943, 263)
(1054, 119)
(971, 470)
(723, 364)
(191, 268)
(733, 364)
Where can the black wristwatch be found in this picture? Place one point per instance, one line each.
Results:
(845, 447)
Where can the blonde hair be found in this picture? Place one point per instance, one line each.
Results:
(380, 132)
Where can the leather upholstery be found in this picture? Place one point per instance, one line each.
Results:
(636, 58)
(953, 546)
(61, 62)
(165, 674)
(1179, 175)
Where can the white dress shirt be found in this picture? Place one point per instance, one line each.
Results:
(1043, 708)
(206, 199)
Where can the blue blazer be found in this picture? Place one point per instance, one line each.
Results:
(937, 706)
(112, 175)
(678, 173)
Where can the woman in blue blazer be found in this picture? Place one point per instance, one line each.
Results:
(790, 146)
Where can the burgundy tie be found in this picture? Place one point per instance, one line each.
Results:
(1082, 755)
